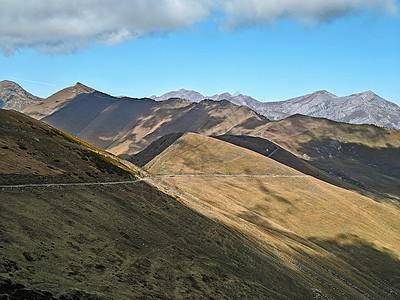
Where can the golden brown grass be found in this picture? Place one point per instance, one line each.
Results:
(303, 207)
(198, 154)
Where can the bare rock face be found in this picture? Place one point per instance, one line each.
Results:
(13, 96)
(362, 108)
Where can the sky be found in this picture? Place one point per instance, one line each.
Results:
(268, 49)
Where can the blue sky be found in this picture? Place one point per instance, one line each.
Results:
(274, 58)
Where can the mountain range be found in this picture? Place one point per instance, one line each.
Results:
(214, 200)
(345, 155)
(203, 218)
(362, 108)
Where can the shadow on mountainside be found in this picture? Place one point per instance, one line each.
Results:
(375, 170)
(348, 165)
(367, 262)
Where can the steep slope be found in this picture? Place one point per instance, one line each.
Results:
(207, 117)
(33, 152)
(363, 108)
(315, 227)
(56, 101)
(128, 240)
(13, 96)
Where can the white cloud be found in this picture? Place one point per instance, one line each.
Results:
(65, 25)
(60, 26)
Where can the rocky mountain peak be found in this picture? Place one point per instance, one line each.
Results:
(324, 93)
(13, 96)
(81, 88)
(9, 83)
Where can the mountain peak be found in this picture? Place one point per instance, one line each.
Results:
(13, 96)
(183, 94)
(323, 92)
(368, 93)
(226, 95)
(9, 84)
(80, 88)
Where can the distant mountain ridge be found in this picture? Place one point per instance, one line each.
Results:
(362, 108)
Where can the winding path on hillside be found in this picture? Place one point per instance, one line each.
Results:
(67, 184)
(45, 185)
(234, 175)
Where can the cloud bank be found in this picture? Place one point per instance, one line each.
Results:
(63, 26)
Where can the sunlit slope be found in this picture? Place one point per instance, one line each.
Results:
(297, 215)
(365, 156)
(199, 154)
(299, 203)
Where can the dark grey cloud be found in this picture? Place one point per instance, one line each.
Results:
(62, 26)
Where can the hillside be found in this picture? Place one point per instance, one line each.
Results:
(271, 150)
(362, 155)
(215, 220)
(63, 240)
(13, 96)
(125, 126)
(313, 226)
(33, 152)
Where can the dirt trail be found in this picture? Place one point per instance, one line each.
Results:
(233, 175)
(66, 184)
